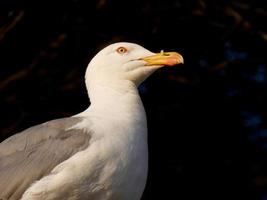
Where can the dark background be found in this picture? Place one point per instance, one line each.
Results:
(207, 119)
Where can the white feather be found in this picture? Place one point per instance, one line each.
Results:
(114, 166)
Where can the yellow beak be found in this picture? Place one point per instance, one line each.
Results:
(164, 58)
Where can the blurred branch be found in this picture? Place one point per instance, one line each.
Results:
(7, 27)
(220, 66)
(24, 72)
(101, 4)
(179, 79)
(200, 8)
(261, 11)
(18, 75)
(234, 14)
(263, 35)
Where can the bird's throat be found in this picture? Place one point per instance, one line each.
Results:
(116, 100)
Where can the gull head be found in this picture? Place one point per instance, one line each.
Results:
(127, 62)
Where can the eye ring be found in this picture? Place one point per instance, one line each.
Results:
(121, 50)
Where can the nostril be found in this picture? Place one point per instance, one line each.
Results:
(163, 53)
(166, 54)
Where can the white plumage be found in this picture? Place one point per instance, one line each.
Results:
(99, 154)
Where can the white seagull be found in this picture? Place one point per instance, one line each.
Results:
(99, 154)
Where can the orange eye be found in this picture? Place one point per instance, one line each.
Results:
(122, 50)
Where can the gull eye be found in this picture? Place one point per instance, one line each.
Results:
(122, 50)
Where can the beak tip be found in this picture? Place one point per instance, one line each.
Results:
(181, 60)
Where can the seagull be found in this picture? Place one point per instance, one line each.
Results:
(98, 154)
